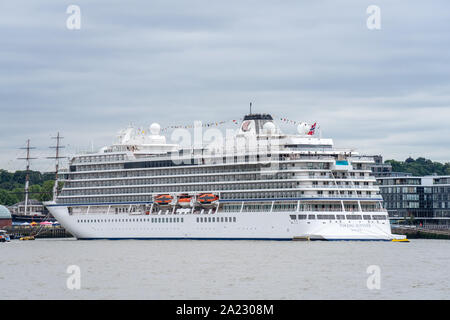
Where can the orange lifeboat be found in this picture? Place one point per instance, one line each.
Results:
(163, 199)
(207, 198)
(184, 200)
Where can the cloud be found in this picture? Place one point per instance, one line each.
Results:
(384, 91)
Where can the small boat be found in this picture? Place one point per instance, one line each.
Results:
(400, 240)
(4, 237)
(207, 198)
(184, 200)
(163, 199)
(27, 238)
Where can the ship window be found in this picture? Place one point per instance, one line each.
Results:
(293, 216)
(234, 219)
(326, 217)
(311, 216)
(354, 217)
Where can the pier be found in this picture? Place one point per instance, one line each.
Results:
(422, 232)
(17, 232)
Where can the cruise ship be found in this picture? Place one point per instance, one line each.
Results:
(257, 184)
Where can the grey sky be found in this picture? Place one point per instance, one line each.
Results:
(380, 91)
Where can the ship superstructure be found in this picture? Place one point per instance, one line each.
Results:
(257, 184)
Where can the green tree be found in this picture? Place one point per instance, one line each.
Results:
(35, 191)
(7, 198)
(420, 167)
(47, 191)
(19, 193)
(12, 185)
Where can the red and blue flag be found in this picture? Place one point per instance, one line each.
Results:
(313, 128)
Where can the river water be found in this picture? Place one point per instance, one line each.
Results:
(133, 269)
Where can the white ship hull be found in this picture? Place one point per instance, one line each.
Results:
(246, 225)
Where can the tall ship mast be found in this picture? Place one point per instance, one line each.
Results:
(29, 210)
(57, 157)
(258, 183)
(27, 158)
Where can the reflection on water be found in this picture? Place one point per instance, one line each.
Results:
(224, 269)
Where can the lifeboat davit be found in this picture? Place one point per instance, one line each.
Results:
(184, 200)
(208, 198)
(163, 199)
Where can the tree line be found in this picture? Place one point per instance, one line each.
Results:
(12, 185)
(420, 167)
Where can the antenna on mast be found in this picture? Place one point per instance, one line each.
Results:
(27, 177)
(250, 108)
(56, 158)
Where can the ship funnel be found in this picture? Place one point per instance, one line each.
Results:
(258, 124)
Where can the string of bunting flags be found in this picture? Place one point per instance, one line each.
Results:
(224, 122)
(204, 125)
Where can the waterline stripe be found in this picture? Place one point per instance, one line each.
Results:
(241, 239)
